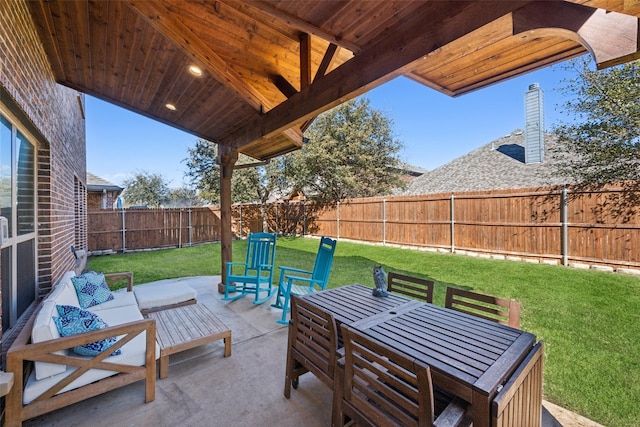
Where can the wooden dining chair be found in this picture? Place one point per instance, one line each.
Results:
(413, 287)
(519, 403)
(504, 311)
(379, 386)
(312, 345)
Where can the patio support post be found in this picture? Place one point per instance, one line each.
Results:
(227, 160)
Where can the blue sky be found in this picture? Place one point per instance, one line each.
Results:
(434, 128)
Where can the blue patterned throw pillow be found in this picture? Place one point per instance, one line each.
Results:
(91, 289)
(73, 323)
(72, 311)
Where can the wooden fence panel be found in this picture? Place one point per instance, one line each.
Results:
(361, 219)
(205, 225)
(151, 228)
(418, 221)
(604, 226)
(104, 229)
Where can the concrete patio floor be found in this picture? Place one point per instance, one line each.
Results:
(206, 389)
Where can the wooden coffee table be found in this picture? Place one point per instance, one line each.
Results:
(186, 327)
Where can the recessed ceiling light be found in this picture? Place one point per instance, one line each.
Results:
(170, 106)
(195, 70)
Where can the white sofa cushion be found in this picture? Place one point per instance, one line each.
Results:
(44, 328)
(120, 299)
(163, 292)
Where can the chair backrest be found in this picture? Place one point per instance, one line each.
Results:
(261, 250)
(314, 337)
(324, 259)
(413, 287)
(519, 403)
(384, 387)
(504, 311)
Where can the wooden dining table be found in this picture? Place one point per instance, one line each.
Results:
(469, 357)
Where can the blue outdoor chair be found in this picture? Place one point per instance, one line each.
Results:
(294, 281)
(256, 274)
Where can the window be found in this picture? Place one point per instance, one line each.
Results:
(18, 205)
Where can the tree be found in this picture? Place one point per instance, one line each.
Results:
(145, 188)
(604, 141)
(203, 171)
(248, 185)
(351, 153)
(182, 197)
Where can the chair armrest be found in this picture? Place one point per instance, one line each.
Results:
(234, 263)
(288, 283)
(113, 278)
(285, 270)
(309, 280)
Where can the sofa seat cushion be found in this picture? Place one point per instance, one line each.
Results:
(120, 299)
(162, 293)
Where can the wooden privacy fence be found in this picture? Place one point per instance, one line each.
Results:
(132, 229)
(554, 224)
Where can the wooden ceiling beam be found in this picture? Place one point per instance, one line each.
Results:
(392, 56)
(327, 60)
(166, 19)
(628, 7)
(301, 25)
(305, 60)
(611, 37)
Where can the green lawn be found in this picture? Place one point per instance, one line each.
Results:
(590, 321)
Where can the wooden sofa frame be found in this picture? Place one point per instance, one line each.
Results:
(23, 353)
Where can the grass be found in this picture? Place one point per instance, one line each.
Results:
(589, 320)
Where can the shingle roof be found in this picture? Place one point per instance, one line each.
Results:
(95, 183)
(497, 165)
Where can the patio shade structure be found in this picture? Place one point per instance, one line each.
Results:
(266, 69)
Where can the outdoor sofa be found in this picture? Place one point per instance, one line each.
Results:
(48, 375)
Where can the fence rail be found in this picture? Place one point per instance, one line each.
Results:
(560, 225)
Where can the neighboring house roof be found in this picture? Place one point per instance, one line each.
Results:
(411, 170)
(498, 165)
(95, 183)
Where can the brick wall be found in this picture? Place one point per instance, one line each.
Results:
(94, 200)
(55, 113)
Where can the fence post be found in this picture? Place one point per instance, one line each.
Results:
(384, 221)
(180, 229)
(453, 225)
(565, 227)
(304, 217)
(189, 226)
(124, 234)
(338, 220)
(240, 221)
(277, 221)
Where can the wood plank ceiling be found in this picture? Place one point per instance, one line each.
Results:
(268, 67)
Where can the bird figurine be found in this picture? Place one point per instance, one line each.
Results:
(380, 280)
